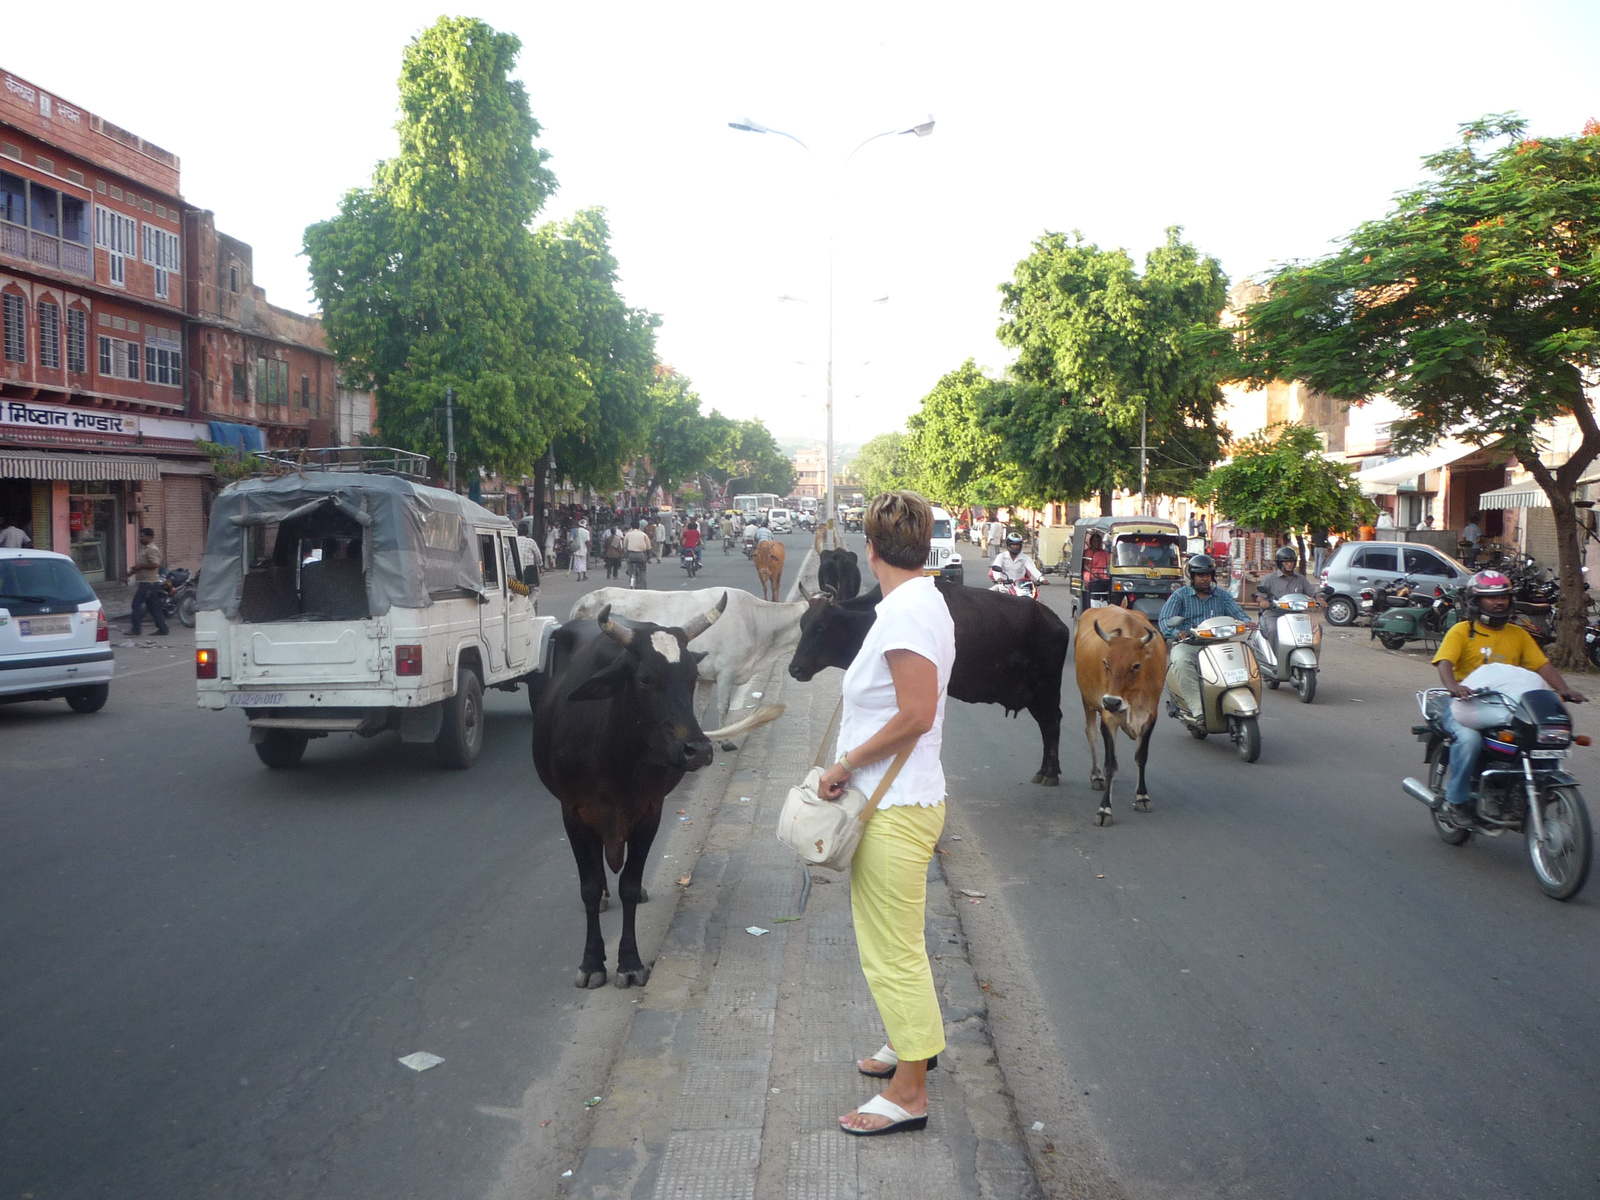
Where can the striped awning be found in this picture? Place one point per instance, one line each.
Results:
(1523, 495)
(15, 465)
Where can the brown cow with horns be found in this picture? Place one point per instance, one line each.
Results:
(1121, 666)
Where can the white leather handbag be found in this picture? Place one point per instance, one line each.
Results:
(825, 833)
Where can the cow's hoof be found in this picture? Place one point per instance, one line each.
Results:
(1141, 804)
(636, 978)
(605, 903)
(1097, 782)
(730, 746)
(590, 979)
(644, 896)
(1103, 817)
(1044, 780)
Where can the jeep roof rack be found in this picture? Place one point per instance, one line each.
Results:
(366, 460)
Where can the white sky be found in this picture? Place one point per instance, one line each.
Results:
(1265, 129)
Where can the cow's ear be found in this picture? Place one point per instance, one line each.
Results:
(697, 656)
(603, 684)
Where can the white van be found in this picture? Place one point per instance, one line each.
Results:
(943, 560)
(340, 602)
(779, 520)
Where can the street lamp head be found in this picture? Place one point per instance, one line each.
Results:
(924, 129)
(746, 125)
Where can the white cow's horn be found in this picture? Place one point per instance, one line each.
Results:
(618, 631)
(1145, 640)
(695, 626)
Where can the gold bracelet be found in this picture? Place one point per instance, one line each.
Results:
(844, 761)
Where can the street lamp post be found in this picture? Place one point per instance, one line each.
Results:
(922, 130)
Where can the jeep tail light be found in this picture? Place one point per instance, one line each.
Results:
(408, 660)
(205, 663)
(102, 631)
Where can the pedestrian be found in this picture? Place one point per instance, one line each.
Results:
(146, 575)
(1319, 549)
(580, 550)
(1385, 520)
(636, 544)
(658, 536)
(11, 537)
(1471, 535)
(893, 701)
(613, 551)
(550, 544)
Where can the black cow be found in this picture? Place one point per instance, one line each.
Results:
(1009, 651)
(839, 574)
(614, 731)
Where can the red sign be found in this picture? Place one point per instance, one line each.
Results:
(75, 521)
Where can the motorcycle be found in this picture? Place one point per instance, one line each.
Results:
(1521, 784)
(751, 541)
(1287, 645)
(1402, 614)
(689, 561)
(1230, 687)
(1026, 588)
(177, 595)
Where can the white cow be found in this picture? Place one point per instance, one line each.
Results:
(750, 634)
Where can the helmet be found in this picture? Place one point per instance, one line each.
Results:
(1014, 541)
(1201, 564)
(1286, 557)
(1488, 583)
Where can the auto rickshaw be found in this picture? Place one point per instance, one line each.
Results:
(1144, 563)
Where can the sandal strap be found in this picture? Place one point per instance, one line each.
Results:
(881, 1106)
(886, 1056)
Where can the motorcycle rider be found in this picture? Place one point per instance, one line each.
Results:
(1011, 565)
(1484, 637)
(1285, 581)
(1200, 600)
(691, 539)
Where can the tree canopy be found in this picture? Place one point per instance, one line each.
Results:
(1474, 304)
(1097, 345)
(1279, 480)
(749, 460)
(882, 465)
(952, 454)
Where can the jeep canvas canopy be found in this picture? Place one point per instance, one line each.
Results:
(416, 543)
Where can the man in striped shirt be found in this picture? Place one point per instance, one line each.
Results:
(1183, 611)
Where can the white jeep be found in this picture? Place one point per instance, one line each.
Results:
(339, 601)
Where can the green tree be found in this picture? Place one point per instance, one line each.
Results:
(1280, 481)
(1099, 346)
(750, 461)
(882, 465)
(953, 456)
(1474, 304)
(681, 441)
(431, 277)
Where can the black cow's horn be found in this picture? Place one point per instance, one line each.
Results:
(804, 595)
(618, 631)
(698, 625)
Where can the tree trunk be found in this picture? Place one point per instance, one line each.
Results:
(1568, 650)
(541, 473)
(1105, 502)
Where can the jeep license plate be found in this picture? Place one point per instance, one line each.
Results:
(44, 626)
(255, 699)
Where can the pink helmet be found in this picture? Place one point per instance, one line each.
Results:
(1488, 583)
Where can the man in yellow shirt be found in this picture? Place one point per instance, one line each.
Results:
(1484, 637)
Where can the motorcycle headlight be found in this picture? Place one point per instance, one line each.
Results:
(1555, 735)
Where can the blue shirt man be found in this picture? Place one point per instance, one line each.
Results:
(1188, 606)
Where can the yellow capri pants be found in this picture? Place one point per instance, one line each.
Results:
(888, 899)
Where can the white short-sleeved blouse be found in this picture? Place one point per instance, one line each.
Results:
(912, 617)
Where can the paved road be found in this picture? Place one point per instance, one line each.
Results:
(1281, 982)
(207, 970)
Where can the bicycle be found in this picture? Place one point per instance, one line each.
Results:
(636, 571)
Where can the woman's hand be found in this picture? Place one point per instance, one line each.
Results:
(831, 785)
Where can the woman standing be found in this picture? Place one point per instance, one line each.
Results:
(894, 697)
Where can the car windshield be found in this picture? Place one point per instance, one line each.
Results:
(31, 583)
(941, 529)
(1146, 551)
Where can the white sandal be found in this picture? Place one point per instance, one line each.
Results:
(900, 1121)
(890, 1059)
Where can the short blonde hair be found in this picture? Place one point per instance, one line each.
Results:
(900, 527)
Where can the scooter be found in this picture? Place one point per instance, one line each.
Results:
(1287, 644)
(1230, 687)
(1406, 615)
(1521, 786)
(1026, 588)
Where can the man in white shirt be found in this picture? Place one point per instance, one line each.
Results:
(1012, 565)
(12, 538)
(1385, 521)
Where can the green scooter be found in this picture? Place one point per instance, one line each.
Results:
(1400, 615)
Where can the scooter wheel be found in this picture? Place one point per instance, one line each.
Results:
(1305, 682)
(1198, 735)
(1273, 684)
(1594, 652)
(1247, 738)
(1392, 641)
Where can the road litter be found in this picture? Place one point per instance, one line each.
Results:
(1356, 700)
(1099, 876)
(755, 695)
(590, 1103)
(955, 837)
(756, 930)
(1038, 1126)
(782, 920)
(566, 1174)
(744, 799)
(681, 811)
(970, 892)
(974, 900)
(545, 1122)
(684, 882)
(421, 1061)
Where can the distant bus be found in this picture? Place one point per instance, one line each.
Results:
(754, 503)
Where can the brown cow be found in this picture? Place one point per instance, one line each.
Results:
(1122, 664)
(769, 567)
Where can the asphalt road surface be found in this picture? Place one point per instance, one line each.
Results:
(208, 969)
(1281, 983)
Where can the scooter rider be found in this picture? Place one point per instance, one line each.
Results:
(1484, 637)
(1011, 565)
(1200, 600)
(1285, 581)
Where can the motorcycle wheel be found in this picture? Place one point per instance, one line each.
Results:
(1305, 682)
(186, 611)
(1341, 611)
(1392, 641)
(1438, 771)
(1247, 738)
(1561, 861)
(1594, 652)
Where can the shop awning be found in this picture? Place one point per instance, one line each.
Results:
(14, 465)
(1385, 480)
(1527, 494)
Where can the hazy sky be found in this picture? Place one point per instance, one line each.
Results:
(1265, 129)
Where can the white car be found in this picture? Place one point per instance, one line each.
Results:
(943, 560)
(54, 640)
(779, 520)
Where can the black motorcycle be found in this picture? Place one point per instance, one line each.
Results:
(1521, 784)
(177, 595)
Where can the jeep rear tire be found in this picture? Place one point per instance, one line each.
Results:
(461, 738)
(279, 748)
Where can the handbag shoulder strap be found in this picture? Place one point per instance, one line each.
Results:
(828, 732)
(884, 785)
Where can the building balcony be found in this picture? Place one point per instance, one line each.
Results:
(40, 249)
